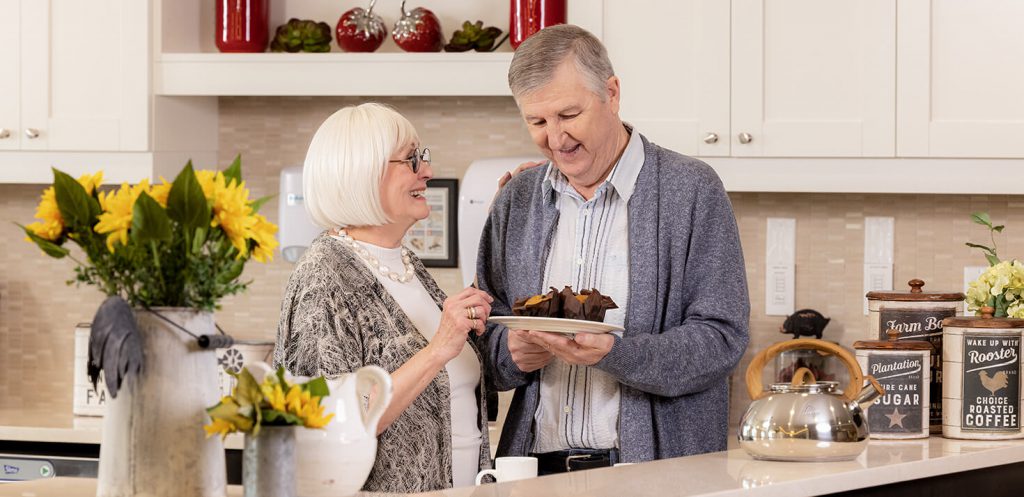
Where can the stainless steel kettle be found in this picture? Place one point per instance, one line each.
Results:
(807, 420)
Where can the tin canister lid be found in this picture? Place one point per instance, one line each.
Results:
(985, 320)
(893, 343)
(916, 294)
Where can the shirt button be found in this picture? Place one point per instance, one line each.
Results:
(579, 261)
(567, 409)
(586, 212)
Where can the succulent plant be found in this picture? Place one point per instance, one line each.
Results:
(302, 36)
(474, 36)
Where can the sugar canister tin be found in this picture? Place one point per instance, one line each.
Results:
(903, 368)
(917, 315)
(981, 396)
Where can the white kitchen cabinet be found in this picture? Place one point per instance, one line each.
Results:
(758, 78)
(813, 78)
(960, 78)
(673, 62)
(75, 75)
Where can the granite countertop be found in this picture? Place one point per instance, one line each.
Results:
(730, 473)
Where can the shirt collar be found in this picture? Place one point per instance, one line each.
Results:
(623, 175)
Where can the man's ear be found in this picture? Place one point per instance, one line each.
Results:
(613, 92)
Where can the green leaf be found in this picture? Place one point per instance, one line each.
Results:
(259, 203)
(998, 229)
(317, 387)
(234, 271)
(982, 218)
(281, 379)
(51, 249)
(186, 202)
(275, 417)
(992, 260)
(982, 247)
(198, 240)
(234, 172)
(149, 221)
(78, 208)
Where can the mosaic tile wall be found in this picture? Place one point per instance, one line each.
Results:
(38, 311)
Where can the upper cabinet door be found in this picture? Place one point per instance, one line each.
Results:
(813, 78)
(85, 75)
(673, 62)
(10, 83)
(961, 78)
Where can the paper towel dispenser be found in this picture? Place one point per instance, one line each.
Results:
(479, 185)
(295, 226)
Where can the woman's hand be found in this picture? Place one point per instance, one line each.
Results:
(505, 178)
(465, 311)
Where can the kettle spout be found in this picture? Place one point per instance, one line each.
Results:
(869, 393)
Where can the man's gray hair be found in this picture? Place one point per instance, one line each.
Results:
(537, 58)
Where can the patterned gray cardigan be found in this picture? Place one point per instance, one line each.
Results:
(335, 318)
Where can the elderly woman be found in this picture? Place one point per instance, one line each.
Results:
(358, 297)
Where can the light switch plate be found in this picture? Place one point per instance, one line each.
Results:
(780, 267)
(878, 255)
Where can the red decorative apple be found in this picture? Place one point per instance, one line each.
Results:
(360, 30)
(418, 31)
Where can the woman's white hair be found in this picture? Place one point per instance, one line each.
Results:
(345, 163)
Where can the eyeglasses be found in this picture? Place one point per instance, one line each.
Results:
(418, 157)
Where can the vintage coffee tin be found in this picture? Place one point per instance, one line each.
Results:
(981, 397)
(917, 315)
(903, 368)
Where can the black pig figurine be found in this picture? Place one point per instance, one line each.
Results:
(805, 322)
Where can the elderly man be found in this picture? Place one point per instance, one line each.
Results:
(649, 227)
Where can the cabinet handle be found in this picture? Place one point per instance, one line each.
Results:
(5, 133)
(711, 138)
(745, 138)
(31, 133)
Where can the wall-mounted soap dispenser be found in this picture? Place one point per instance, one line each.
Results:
(295, 227)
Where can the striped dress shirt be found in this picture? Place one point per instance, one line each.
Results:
(579, 406)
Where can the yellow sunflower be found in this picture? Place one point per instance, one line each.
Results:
(51, 224)
(116, 217)
(263, 234)
(231, 211)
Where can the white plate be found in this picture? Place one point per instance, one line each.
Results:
(556, 325)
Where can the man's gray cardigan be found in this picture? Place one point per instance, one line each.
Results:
(687, 318)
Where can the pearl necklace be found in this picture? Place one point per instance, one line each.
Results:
(372, 261)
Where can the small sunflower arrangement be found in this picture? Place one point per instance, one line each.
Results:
(273, 402)
(176, 244)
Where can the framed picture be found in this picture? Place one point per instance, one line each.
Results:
(435, 240)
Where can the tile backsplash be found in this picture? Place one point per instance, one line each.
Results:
(38, 312)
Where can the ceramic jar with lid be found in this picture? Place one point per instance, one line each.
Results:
(916, 315)
(903, 368)
(981, 396)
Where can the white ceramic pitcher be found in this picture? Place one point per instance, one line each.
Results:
(335, 461)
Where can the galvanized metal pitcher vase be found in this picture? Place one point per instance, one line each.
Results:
(268, 462)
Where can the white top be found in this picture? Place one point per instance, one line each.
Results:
(579, 405)
(463, 371)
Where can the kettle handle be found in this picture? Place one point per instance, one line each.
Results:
(756, 368)
(367, 379)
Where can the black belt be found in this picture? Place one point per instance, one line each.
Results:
(574, 460)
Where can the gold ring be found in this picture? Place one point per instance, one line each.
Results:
(471, 312)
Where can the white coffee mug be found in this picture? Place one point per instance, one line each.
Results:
(511, 468)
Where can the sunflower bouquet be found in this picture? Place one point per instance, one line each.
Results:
(177, 244)
(273, 402)
(1001, 287)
